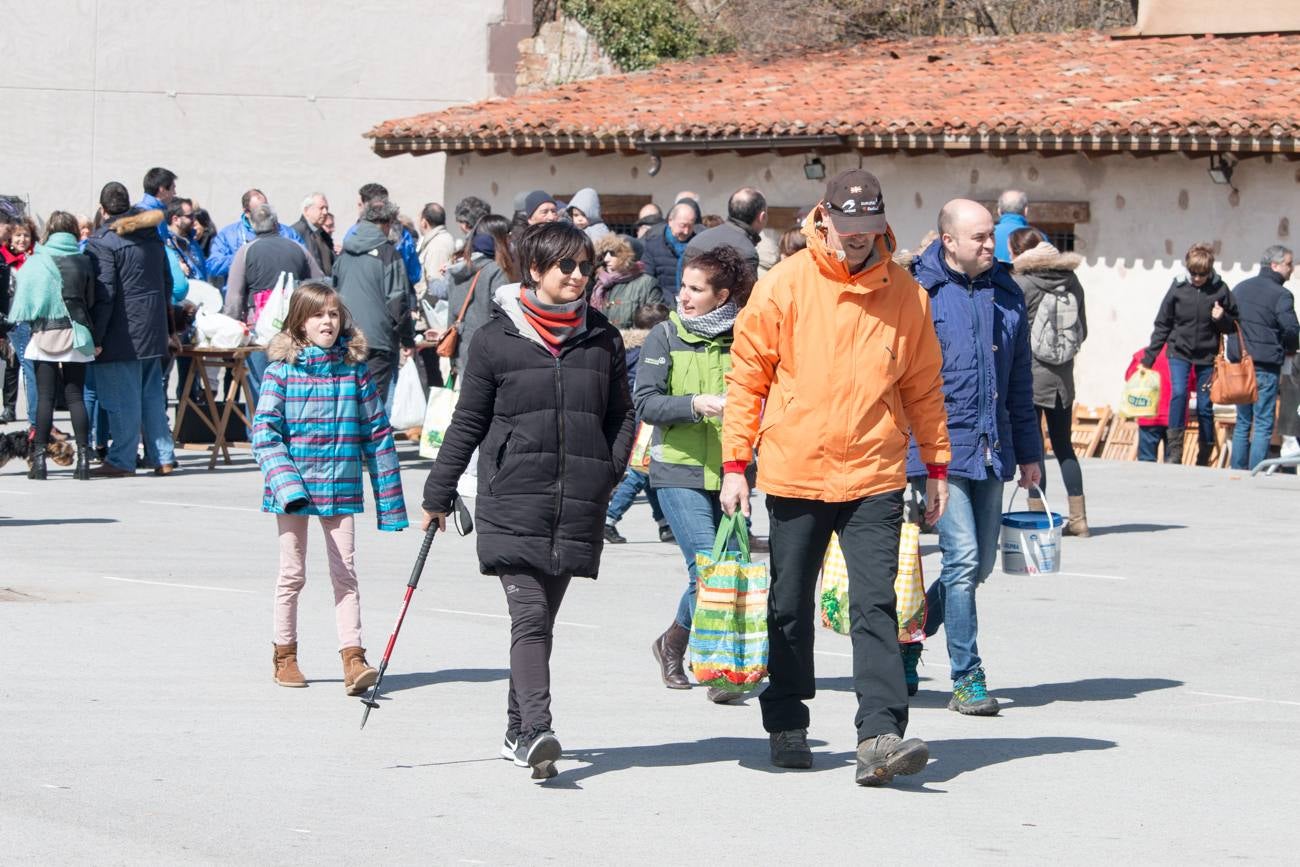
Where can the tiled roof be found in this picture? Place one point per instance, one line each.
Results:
(1047, 92)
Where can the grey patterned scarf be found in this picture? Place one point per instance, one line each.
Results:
(713, 323)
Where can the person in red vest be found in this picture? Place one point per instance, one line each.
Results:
(1152, 431)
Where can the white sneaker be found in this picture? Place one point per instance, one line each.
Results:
(1290, 447)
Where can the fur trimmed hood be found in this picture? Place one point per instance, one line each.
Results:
(134, 221)
(284, 348)
(633, 338)
(1045, 257)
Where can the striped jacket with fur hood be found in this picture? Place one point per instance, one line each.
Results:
(318, 417)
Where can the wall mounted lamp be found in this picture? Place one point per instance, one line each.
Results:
(813, 169)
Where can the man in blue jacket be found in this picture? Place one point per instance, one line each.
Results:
(1266, 311)
(159, 190)
(979, 315)
(236, 235)
(1012, 205)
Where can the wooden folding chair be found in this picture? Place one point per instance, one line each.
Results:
(1191, 443)
(1224, 425)
(1122, 441)
(1089, 429)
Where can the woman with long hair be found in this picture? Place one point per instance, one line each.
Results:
(485, 264)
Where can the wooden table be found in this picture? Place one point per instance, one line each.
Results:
(205, 360)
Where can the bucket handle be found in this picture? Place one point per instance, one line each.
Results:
(1046, 505)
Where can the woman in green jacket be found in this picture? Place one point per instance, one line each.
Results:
(680, 389)
(54, 293)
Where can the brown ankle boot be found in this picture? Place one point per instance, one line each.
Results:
(286, 665)
(1077, 525)
(358, 676)
(669, 649)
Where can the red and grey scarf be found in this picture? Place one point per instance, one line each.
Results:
(555, 323)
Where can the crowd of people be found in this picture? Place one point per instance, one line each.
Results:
(830, 370)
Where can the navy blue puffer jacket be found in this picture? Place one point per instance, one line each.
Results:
(133, 287)
(988, 382)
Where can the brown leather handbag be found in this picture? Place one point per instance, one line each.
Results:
(1234, 382)
(450, 338)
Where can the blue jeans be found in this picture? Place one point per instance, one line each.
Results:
(132, 394)
(95, 411)
(633, 483)
(694, 516)
(1178, 373)
(968, 537)
(1149, 439)
(20, 336)
(1249, 447)
(257, 363)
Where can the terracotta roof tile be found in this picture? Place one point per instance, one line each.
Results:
(1056, 85)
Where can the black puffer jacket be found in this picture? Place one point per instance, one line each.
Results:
(1185, 321)
(1268, 320)
(553, 435)
(133, 287)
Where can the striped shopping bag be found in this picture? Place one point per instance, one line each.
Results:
(728, 646)
(909, 587)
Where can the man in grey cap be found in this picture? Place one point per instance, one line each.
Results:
(540, 207)
(835, 355)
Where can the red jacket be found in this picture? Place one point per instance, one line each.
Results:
(1161, 418)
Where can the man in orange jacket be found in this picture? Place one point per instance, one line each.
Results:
(838, 341)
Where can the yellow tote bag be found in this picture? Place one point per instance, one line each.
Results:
(1141, 397)
(909, 587)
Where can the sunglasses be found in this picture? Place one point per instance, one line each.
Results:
(566, 267)
(1198, 275)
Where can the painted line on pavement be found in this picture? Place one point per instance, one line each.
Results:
(832, 653)
(1091, 575)
(18, 493)
(182, 586)
(505, 617)
(199, 506)
(1244, 698)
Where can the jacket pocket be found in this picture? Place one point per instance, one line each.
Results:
(500, 456)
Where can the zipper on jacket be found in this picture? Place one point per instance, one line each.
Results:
(977, 320)
(559, 487)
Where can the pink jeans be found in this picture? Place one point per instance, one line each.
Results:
(339, 537)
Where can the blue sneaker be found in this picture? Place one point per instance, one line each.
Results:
(911, 654)
(970, 695)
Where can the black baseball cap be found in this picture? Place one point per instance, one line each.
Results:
(855, 203)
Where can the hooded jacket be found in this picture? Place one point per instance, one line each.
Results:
(987, 375)
(1268, 320)
(553, 435)
(371, 280)
(133, 287)
(318, 418)
(587, 201)
(1042, 271)
(733, 234)
(848, 364)
(1186, 321)
(459, 279)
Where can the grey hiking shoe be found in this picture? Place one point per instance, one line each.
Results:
(790, 749)
(725, 696)
(883, 757)
(539, 752)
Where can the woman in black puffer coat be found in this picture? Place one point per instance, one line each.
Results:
(545, 399)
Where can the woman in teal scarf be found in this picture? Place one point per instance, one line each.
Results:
(55, 292)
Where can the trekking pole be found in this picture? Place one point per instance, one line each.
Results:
(369, 701)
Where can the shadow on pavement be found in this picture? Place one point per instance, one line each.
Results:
(751, 753)
(399, 682)
(49, 522)
(1092, 689)
(950, 759)
(1134, 528)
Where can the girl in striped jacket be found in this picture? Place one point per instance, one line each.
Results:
(319, 417)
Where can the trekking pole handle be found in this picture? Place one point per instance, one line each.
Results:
(424, 553)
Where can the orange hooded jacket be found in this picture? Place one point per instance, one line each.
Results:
(849, 365)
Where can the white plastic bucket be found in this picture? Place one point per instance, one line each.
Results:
(1031, 541)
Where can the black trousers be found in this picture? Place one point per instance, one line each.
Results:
(381, 365)
(534, 603)
(800, 531)
(74, 390)
(1059, 421)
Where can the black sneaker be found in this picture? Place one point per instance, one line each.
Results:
(539, 752)
(612, 536)
(666, 534)
(508, 749)
(7, 416)
(883, 757)
(790, 749)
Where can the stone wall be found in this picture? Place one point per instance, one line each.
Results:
(562, 51)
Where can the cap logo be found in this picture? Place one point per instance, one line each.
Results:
(854, 190)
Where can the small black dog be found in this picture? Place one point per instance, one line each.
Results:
(18, 444)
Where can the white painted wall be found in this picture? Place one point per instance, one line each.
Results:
(1132, 250)
(230, 95)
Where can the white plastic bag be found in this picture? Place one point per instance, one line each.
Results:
(218, 331)
(271, 320)
(408, 399)
(437, 418)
